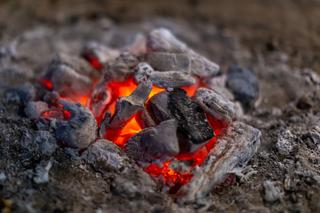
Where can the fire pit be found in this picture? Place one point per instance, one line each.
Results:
(152, 99)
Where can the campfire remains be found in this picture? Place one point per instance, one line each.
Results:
(152, 100)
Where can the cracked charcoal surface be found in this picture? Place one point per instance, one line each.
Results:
(191, 118)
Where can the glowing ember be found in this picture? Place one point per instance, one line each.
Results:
(46, 84)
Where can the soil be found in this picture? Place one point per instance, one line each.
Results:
(283, 176)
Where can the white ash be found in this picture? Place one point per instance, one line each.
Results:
(285, 142)
(272, 191)
(42, 173)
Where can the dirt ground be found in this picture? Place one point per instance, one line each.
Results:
(279, 41)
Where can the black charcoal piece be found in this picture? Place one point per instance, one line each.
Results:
(191, 118)
(154, 143)
(215, 104)
(104, 124)
(158, 106)
(128, 106)
(244, 85)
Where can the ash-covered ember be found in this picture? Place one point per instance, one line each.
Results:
(144, 98)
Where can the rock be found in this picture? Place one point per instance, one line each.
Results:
(104, 155)
(34, 109)
(127, 107)
(42, 173)
(244, 85)
(154, 143)
(272, 192)
(163, 61)
(216, 105)
(191, 118)
(162, 40)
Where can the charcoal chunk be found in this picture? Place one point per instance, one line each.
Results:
(162, 40)
(167, 79)
(154, 143)
(128, 106)
(34, 109)
(158, 106)
(244, 85)
(20, 95)
(99, 99)
(163, 61)
(104, 156)
(215, 104)
(191, 118)
(78, 131)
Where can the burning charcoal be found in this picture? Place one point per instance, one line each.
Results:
(68, 82)
(51, 97)
(159, 142)
(213, 103)
(34, 109)
(163, 61)
(121, 67)
(99, 99)
(104, 124)
(128, 106)
(244, 85)
(79, 130)
(172, 79)
(20, 95)
(98, 55)
(42, 173)
(192, 119)
(230, 154)
(158, 106)
(168, 79)
(147, 120)
(104, 155)
(162, 40)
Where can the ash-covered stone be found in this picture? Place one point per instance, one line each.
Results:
(159, 142)
(167, 79)
(216, 105)
(121, 67)
(20, 95)
(78, 131)
(98, 53)
(164, 61)
(162, 40)
(244, 85)
(128, 106)
(192, 120)
(34, 109)
(104, 156)
(230, 155)
(42, 172)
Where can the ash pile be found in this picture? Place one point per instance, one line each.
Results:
(190, 141)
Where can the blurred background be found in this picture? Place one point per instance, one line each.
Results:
(291, 26)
